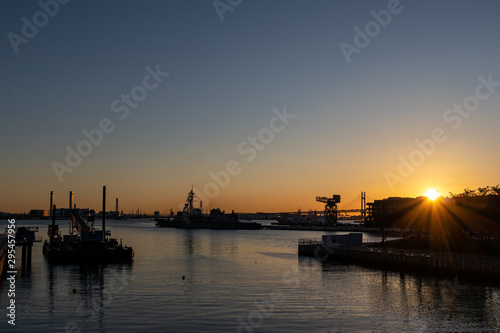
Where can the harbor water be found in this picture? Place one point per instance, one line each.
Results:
(235, 281)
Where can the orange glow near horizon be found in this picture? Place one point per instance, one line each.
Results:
(251, 194)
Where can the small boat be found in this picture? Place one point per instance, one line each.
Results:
(193, 218)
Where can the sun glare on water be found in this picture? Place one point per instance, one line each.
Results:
(431, 193)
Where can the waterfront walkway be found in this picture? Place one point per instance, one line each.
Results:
(318, 228)
(440, 262)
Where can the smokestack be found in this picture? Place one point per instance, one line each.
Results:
(70, 200)
(51, 201)
(363, 204)
(116, 210)
(104, 213)
(53, 224)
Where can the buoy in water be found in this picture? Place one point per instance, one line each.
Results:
(183, 277)
(74, 291)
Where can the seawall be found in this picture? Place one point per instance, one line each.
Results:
(434, 262)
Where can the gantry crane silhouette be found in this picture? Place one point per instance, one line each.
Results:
(330, 208)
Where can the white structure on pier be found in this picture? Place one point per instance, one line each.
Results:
(351, 239)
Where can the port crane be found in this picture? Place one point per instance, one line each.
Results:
(330, 208)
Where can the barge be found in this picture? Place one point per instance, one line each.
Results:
(84, 244)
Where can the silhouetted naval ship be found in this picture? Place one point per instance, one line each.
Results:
(84, 244)
(193, 218)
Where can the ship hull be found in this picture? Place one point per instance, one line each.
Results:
(107, 255)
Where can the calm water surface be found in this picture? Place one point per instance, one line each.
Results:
(236, 281)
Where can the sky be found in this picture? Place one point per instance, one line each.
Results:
(260, 105)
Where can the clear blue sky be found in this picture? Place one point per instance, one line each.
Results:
(352, 120)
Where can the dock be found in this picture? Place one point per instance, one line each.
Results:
(405, 259)
(25, 237)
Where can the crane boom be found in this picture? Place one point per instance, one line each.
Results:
(330, 208)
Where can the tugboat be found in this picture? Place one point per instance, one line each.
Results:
(84, 244)
(193, 218)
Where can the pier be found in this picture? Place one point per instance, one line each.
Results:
(25, 237)
(387, 258)
(318, 228)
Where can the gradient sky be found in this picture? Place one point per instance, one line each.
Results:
(353, 120)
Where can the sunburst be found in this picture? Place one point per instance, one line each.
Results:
(432, 194)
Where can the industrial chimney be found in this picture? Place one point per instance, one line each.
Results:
(70, 200)
(51, 202)
(104, 213)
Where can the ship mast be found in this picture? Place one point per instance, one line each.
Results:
(190, 200)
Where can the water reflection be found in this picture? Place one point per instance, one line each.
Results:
(91, 289)
(427, 302)
(188, 241)
(221, 245)
(208, 242)
(50, 285)
(229, 275)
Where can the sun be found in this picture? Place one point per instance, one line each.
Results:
(432, 194)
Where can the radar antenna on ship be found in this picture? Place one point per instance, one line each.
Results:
(189, 201)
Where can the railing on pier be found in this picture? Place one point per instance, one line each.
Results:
(441, 255)
(310, 241)
(468, 263)
(417, 253)
(372, 240)
(318, 241)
